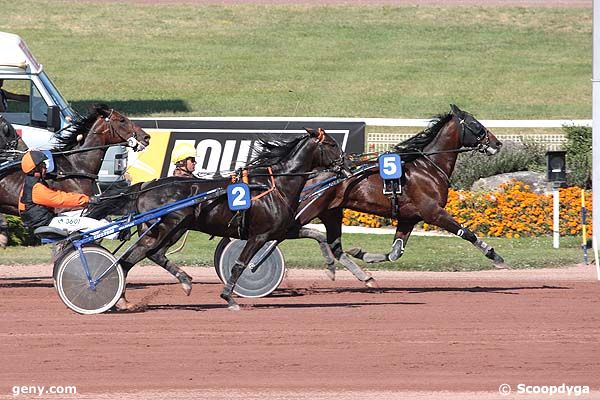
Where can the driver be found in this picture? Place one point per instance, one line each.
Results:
(184, 158)
(37, 200)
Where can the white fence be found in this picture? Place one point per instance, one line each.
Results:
(382, 141)
(551, 141)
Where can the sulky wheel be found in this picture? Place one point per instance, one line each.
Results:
(75, 289)
(258, 283)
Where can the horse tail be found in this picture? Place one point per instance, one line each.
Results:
(114, 202)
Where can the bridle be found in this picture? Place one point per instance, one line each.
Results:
(112, 130)
(473, 133)
(339, 164)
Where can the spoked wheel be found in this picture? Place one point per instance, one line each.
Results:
(74, 287)
(258, 283)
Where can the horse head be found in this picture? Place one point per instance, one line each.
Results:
(329, 153)
(115, 128)
(474, 134)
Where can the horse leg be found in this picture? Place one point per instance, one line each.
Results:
(134, 255)
(308, 233)
(332, 219)
(403, 231)
(444, 220)
(250, 249)
(161, 259)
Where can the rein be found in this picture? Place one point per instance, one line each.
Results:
(104, 146)
(367, 157)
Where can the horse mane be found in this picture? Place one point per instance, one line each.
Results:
(418, 142)
(115, 201)
(67, 139)
(271, 150)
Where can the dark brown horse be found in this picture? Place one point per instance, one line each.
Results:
(281, 168)
(78, 155)
(429, 158)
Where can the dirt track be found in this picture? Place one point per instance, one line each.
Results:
(460, 333)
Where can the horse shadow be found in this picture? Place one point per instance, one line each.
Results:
(246, 307)
(26, 282)
(507, 290)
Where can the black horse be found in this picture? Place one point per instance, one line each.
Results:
(281, 168)
(429, 159)
(78, 155)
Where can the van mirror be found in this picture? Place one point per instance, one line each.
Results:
(53, 122)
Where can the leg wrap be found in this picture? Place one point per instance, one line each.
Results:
(325, 249)
(174, 270)
(485, 248)
(352, 267)
(467, 235)
(374, 257)
(336, 248)
(236, 272)
(397, 250)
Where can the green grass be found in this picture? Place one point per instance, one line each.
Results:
(377, 61)
(422, 253)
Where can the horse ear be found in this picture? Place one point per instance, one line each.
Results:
(311, 131)
(101, 109)
(455, 109)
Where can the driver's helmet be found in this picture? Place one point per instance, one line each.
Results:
(33, 159)
(183, 151)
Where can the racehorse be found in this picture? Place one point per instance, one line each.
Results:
(429, 159)
(281, 167)
(78, 155)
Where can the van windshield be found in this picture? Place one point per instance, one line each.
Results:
(56, 96)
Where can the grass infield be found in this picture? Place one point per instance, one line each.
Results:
(423, 253)
(355, 61)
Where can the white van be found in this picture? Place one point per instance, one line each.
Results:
(35, 107)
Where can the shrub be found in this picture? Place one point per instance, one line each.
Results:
(513, 211)
(17, 234)
(513, 157)
(579, 156)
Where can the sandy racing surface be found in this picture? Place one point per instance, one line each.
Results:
(459, 334)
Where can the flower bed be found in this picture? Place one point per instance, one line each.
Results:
(513, 211)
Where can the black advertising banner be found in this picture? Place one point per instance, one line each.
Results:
(224, 145)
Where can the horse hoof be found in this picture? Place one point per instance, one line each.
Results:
(497, 259)
(330, 274)
(501, 265)
(122, 305)
(187, 288)
(371, 283)
(186, 282)
(233, 307)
